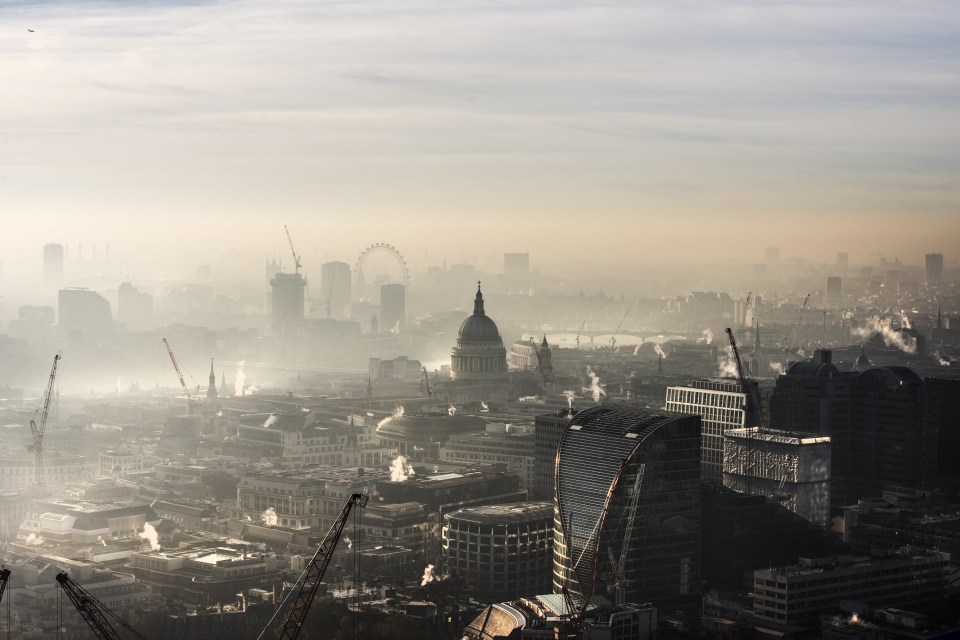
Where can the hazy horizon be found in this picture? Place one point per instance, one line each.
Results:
(687, 132)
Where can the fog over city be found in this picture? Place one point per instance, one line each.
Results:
(546, 319)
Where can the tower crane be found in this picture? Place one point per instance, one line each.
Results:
(426, 383)
(96, 614)
(192, 402)
(619, 564)
(4, 579)
(545, 372)
(590, 553)
(613, 338)
(37, 430)
(313, 574)
(579, 331)
(296, 258)
(754, 412)
(790, 338)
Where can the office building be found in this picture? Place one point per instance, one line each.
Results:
(721, 405)
(548, 430)
(335, 289)
(53, 265)
(286, 300)
(516, 266)
(393, 307)
(843, 259)
(943, 407)
(789, 468)
(84, 313)
(771, 255)
(514, 449)
(934, 268)
(648, 463)
(911, 579)
(500, 551)
(833, 291)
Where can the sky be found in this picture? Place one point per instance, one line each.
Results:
(460, 129)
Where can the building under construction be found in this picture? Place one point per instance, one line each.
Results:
(627, 509)
(792, 469)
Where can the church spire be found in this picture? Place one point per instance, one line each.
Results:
(212, 387)
(478, 302)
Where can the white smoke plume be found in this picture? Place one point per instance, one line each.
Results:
(891, 337)
(659, 351)
(349, 542)
(451, 410)
(636, 349)
(252, 390)
(149, 534)
(101, 540)
(269, 517)
(400, 469)
(727, 363)
(33, 540)
(239, 379)
(778, 368)
(940, 360)
(483, 407)
(429, 576)
(707, 337)
(569, 395)
(595, 389)
(904, 320)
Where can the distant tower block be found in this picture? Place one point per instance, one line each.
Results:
(516, 266)
(287, 293)
(335, 289)
(934, 268)
(771, 255)
(392, 306)
(834, 291)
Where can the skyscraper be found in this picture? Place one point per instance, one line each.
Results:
(335, 289)
(721, 405)
(833, 290)
(287, 291)
(516, 265)
(934, 268)
(393, 306)
(623, 460)
(53, 264)
(84, 313)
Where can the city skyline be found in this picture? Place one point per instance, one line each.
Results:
(488, 128)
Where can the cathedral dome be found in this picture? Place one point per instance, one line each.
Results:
(479, 353)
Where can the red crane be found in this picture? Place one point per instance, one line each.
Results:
(37, 430)
(96, 614)
(192, 402)
(591, 552)
(313, 574)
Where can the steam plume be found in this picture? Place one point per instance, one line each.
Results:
(891, 337)
(400, 469)
(239, 379)
(569, 395)
(727, 364)
(778, 368)
(707, 337)
(659, 351)
(269, 517)
(149, 534)
(596, 389)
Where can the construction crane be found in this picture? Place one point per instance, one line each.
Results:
(749, 387)
(546, 374)
(591, 553)
(579, 331)
(96, 614)
(793, 333)
(746, 307)
(37, 430)
(313, 574)
(192, 402)
(426, 383)
(296, 258)
(613, 338)
(619, 564)
(4, 579)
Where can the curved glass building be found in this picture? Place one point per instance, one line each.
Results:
(598, 462)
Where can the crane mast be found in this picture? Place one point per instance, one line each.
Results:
(619, 564)
(4, 579)
(191, 401)
(591, 552)
(296, 258)
(313, 574)
(37, 430)
(750, 389)
(579, 331)
(613, 338)
(426, 382)
(94, 612)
